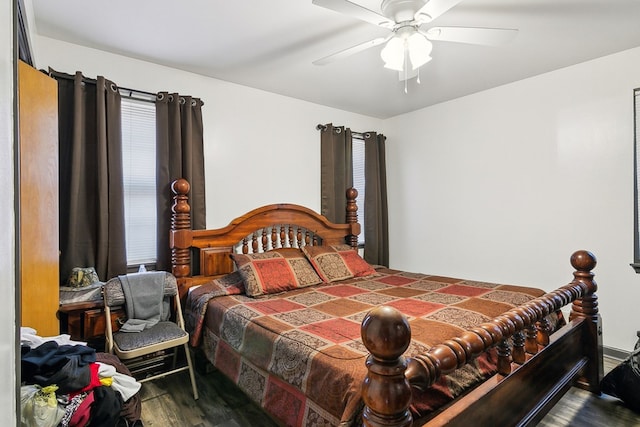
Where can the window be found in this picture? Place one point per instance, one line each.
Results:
(139, 170)
(636, 163)
(358, 179)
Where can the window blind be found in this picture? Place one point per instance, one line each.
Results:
(358, 180)
(139, 175)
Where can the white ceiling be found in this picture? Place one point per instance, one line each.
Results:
(270, 45)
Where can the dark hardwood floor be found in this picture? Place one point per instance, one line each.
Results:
(580, 408)
(169, 402)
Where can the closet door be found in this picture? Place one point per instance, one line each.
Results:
(38, 204)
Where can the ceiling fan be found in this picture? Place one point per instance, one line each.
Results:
(408, 46)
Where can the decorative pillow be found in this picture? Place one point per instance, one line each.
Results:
(275, 271)
(340, 262)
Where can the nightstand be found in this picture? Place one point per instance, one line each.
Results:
(85, 321)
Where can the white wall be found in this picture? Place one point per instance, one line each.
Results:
(505, 184)
(260, 147)
(7, 219)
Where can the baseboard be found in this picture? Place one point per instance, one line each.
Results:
(615, 353)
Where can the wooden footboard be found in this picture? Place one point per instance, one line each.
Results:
(535, 369)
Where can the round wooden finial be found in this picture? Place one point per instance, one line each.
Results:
(352, 193)
(386, 333)
(180, 186)
(583, 260)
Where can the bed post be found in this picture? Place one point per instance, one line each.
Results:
(180, 236)
(587, 307)
(352, 217)
(385, 390)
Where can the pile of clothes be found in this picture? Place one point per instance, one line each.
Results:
(66, 383)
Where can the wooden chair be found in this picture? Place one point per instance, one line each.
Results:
(146, 349)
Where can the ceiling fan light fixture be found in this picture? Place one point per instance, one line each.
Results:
(393, 53)
(406, 49)
(419, 49)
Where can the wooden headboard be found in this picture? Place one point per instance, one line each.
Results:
(268, 227)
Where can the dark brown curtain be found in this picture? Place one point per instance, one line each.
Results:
(180, 154)
(92, 232)
(376, 223)
(336, 170)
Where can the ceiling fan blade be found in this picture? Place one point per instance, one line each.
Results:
(356, 11)
(434, 8)
(352, 50)
(481, 36)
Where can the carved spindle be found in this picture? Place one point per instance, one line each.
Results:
(385, 390)
(543, 306)
(544, 331)
(180, 224)
(299, 237)
(283, 235)
(291, 239)
(307, 238)
(504, 358)
(518, 353)
(504, 349)
(531, 339)
(529, 319)
(352, 216)
(274, 237)
(265, 241)
(254, 243)
(516, 323)
(245, 246)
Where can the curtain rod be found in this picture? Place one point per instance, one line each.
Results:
(142, 95)
(360, 135)
(66, 76)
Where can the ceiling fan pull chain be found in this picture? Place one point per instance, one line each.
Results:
(406, 67)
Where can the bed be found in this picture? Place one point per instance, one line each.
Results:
(375, 346)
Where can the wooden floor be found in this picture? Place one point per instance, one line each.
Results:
(169, 402)
(580, 408)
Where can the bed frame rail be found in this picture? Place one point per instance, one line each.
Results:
(534, 368)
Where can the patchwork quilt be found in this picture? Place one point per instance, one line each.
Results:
(300, 356)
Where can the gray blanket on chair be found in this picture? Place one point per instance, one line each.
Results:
(143, 293)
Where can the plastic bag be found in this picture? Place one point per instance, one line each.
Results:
(623, 381)
(39, 406)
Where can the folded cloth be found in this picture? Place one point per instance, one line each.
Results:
(143, 293)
